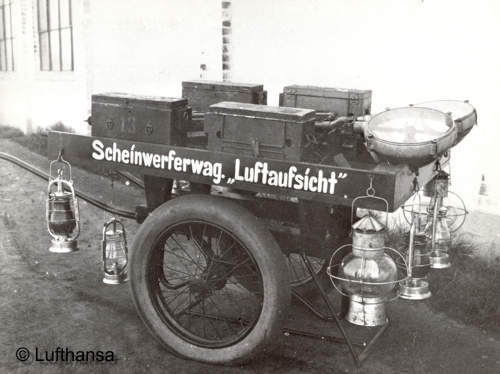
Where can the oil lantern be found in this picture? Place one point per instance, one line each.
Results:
(62, 212)
(416, 286)
(438, 237)
(438, 189)
(367, 274)
(114, 253)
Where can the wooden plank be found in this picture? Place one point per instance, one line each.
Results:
(323, 183)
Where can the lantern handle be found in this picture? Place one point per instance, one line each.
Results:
(60, 182)
(63, 161)
(113, 221)
(371, 197)
(370, 194)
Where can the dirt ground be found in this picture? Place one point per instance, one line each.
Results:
(50, 300)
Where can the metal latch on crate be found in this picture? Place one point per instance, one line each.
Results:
(255, 146)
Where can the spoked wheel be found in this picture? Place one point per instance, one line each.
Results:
(208, 280)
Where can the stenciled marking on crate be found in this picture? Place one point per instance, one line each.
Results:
(259, 172)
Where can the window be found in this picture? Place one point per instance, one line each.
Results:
(55, 32)
(6, 38)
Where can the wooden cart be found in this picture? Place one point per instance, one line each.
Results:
(213, 270)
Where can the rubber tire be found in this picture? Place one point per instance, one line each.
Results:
(258, 241)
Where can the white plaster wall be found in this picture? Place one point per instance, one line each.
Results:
(150, 47)
(141, 47)
(32, 99)
(12, 83)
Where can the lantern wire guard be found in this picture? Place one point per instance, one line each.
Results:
(367, 274)
(114, 248)
(63, 221)
(437, 188)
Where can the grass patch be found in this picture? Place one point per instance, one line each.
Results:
(37, 142)
(468, 290)
(7, 132)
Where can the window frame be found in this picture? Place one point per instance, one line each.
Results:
(46, 32)
(7, 62)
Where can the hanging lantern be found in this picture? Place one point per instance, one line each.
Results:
(416, 286)
(367, 274)
(62, 212)
(438, 189)
(438, 237)
(114, 253)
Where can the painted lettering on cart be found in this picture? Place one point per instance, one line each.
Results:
(260, 172)
(290, 179)
(168, 161)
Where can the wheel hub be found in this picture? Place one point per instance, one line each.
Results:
(214, 279)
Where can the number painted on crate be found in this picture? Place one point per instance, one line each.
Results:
(132, 125)
(130, 128)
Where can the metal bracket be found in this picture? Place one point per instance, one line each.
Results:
(255, 146)
(358, 359)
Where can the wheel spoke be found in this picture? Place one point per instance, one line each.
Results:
(299, 273)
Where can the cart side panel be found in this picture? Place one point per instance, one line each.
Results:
(322, 183)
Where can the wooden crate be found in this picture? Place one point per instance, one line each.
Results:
(201, 94)
(160, 120)
(260, 130)
(324, 99)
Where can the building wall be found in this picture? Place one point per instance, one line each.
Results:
(13, 103)
(151, 47)
(30, 98)
(133, 46)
